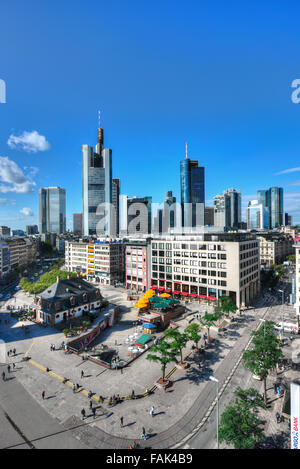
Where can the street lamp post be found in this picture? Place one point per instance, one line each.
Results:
(212, 378)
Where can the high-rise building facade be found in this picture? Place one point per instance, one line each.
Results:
(32, 230)
(209, 216)
(192, 184)
(97, 188)
(222, 211)
(272, 199)
(276, 207)
(77, 223)
(235, 207)
(257, 216)
(116, 202)
(52, 210)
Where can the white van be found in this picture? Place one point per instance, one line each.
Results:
(287, 327)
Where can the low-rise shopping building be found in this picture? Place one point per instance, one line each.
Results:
(137, 264)
(207, 266)
(101, 260)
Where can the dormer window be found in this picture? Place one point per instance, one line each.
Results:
(85, 297)
(72, 301)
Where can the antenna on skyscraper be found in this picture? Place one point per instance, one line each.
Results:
(100, 131)
(186, 151)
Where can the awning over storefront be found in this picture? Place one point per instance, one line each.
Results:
(194, 295)
(154, 287)
(184, 293)
(161, 288)
(203, 297)
(212, 298)
(176, 292)
(168, 290)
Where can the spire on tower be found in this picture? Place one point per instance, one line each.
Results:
(100, 131)
(186, 150)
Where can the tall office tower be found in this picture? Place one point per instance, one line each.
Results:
(135, 215)
(276, 207)
(169, 212)
(5, 231)
(209, 216)
(116, 201)
(273, 199)
(257, 216)
(235, 207)
(222, 211)
(77, 223)
(31, 230)
(192, 192)
(52, 210)
(158, 222)
(97, 188)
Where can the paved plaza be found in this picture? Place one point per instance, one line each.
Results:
(178, 411)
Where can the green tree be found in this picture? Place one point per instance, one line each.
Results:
(192, 332)
(179, 341)
(239, 425)
(265, 354)
(164, 355)
(225, 306)
(210, 319)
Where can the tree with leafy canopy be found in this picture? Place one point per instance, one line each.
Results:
(225, 306)
(210, 319)
(265, 353)
(178, 343)
(240, 426)
(164, 355)
(192, 332)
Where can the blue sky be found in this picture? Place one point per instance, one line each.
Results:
(216, 74)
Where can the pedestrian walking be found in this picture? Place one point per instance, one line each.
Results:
(275, 388)
(14, 351)
(8, 353)
(152, 411)
(74, 388)
(278, 391)
(91, 405)
(82, 414)
(143, 434)
(43, 395)
(3, 376)
(8, 369)
(132, 395)
(94, 412)
(14, 366)
(82, 374)
(277, 415)
(121, 421)
(90, 394)
(101, 398)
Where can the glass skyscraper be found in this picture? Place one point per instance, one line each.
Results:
(235, 207)
(272, 199)
(52, 210)
(97, 188)
(192, 186)
(257, 216)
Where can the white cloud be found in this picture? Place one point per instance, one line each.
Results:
(27, 212)
(31, 142)
(287, 171)
(12, 178)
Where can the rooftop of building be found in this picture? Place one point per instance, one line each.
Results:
(64, 289)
